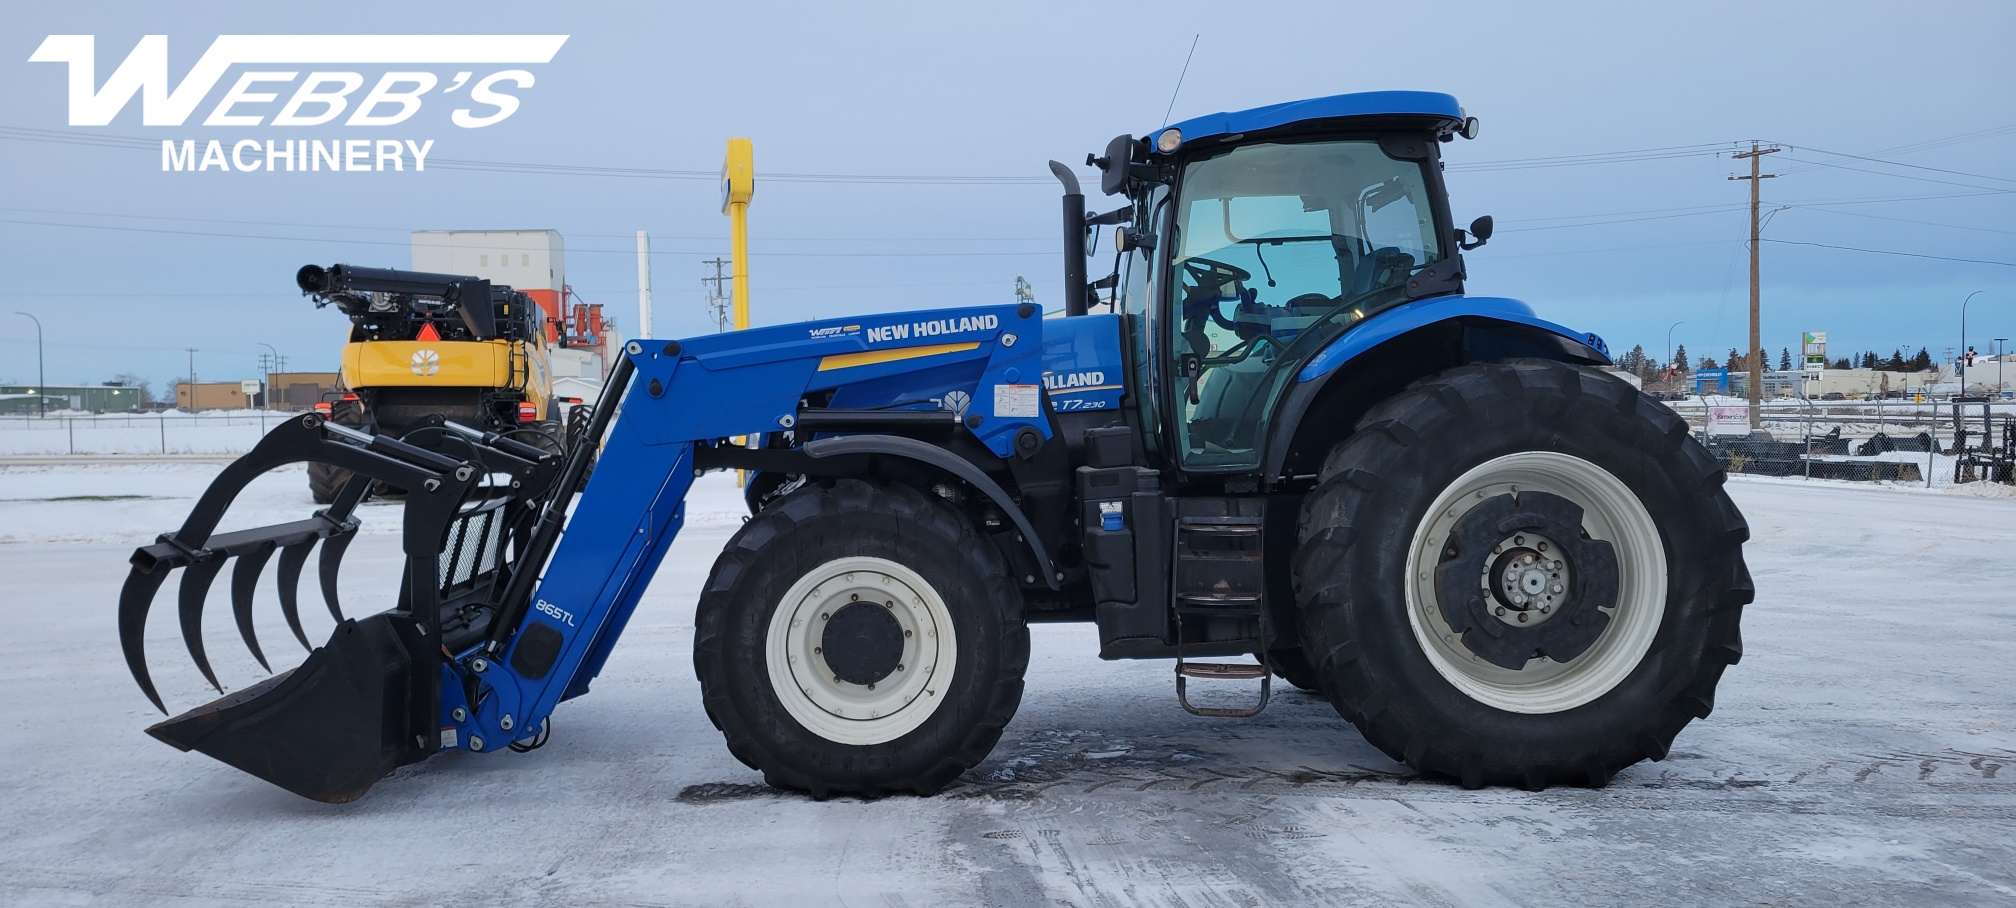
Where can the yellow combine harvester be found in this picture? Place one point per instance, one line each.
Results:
(430, 347)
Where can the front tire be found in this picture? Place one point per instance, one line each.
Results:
(860, 639)
(1521, 573)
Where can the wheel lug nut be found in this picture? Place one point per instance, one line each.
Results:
(1543, 546)
(825, 615)
(1501, 611)
(1522, 617)
(817, 650)
(871, 685)
(899, 666)
(853, 597)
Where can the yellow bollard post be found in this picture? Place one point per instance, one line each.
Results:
(738, 186)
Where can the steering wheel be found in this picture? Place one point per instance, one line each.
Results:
(1202, 270)
(1241, 351)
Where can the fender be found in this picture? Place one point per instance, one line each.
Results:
(1407, 317)
(803, 460)
(1399, 345)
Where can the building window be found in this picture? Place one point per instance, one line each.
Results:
(483, 260)
(525, 260)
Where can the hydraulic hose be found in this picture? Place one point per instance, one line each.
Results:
(553, 513)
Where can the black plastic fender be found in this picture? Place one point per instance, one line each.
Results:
(910, 448)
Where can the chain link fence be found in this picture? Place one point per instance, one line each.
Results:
(232, 432)
(1925, 442)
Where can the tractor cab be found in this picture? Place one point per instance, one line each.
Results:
(1253, 239)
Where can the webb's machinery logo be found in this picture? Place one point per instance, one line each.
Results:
(318, 96)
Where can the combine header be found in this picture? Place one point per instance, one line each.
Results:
(1502, 564)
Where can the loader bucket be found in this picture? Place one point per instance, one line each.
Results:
(331, 728)
(366, 701)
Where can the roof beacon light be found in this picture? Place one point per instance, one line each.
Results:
(1168, 141)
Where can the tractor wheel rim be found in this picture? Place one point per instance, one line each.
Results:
(898, 699)
(1612, 513)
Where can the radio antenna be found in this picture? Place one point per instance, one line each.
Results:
(1179, 77)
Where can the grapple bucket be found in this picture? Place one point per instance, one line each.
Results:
(368, 700)
(331, 728)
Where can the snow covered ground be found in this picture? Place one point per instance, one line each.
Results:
(1864, 752)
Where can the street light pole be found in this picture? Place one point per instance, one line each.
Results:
(41, 380)
(269, 375)
(1669, 346)
(1963, 339)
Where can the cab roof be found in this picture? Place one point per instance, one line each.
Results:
(1357, 104)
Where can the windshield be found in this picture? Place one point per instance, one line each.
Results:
(1279, 247)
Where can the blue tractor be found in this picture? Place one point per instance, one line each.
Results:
(1278, 440)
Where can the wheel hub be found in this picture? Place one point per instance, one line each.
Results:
(857, 648)
(1519, 580)
(1527, 581)
(863, 642)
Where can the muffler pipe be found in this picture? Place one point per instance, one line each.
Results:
(1074, 240)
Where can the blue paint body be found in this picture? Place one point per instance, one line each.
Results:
(1082, 367)
(1421, 313)
(1356, 104)
(999, 370)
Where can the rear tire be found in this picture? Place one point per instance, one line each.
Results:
(1386, 572)
(1292, 666)
(324, 481)
(799, 584)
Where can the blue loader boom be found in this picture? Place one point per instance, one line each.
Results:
(1290, 436)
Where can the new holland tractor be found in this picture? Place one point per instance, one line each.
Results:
(1290, 436)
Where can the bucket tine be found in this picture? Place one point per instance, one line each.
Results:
(244, 578)
(134, 600)
(332, 559)
(195, 588)
(291, 559)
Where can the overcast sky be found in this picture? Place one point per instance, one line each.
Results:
(1624, 248)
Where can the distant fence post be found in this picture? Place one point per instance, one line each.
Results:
(161, 422)
(70, 425)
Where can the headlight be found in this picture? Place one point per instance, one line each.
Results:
(1169, 140)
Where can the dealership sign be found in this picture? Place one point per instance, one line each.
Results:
(320, 77)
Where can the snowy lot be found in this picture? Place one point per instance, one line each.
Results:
(1864, 752)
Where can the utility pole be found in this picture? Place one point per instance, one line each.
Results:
(41, 378)
(192, 377)
(1756, 356)
(643, 284)
(717, 300)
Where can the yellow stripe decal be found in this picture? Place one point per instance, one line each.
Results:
(871, 357)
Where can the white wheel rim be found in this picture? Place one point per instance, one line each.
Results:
(847, 713)
(1610, 512)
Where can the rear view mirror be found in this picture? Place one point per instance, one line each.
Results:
(1480, 231)
(1113, 167)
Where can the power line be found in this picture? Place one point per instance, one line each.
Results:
(1901, 176)
(1957, 173)
(302, 239)
(1915, 255)
(21, 134)
(1878, 217)
(615, 236)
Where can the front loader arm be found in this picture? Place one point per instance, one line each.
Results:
(514, 592)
